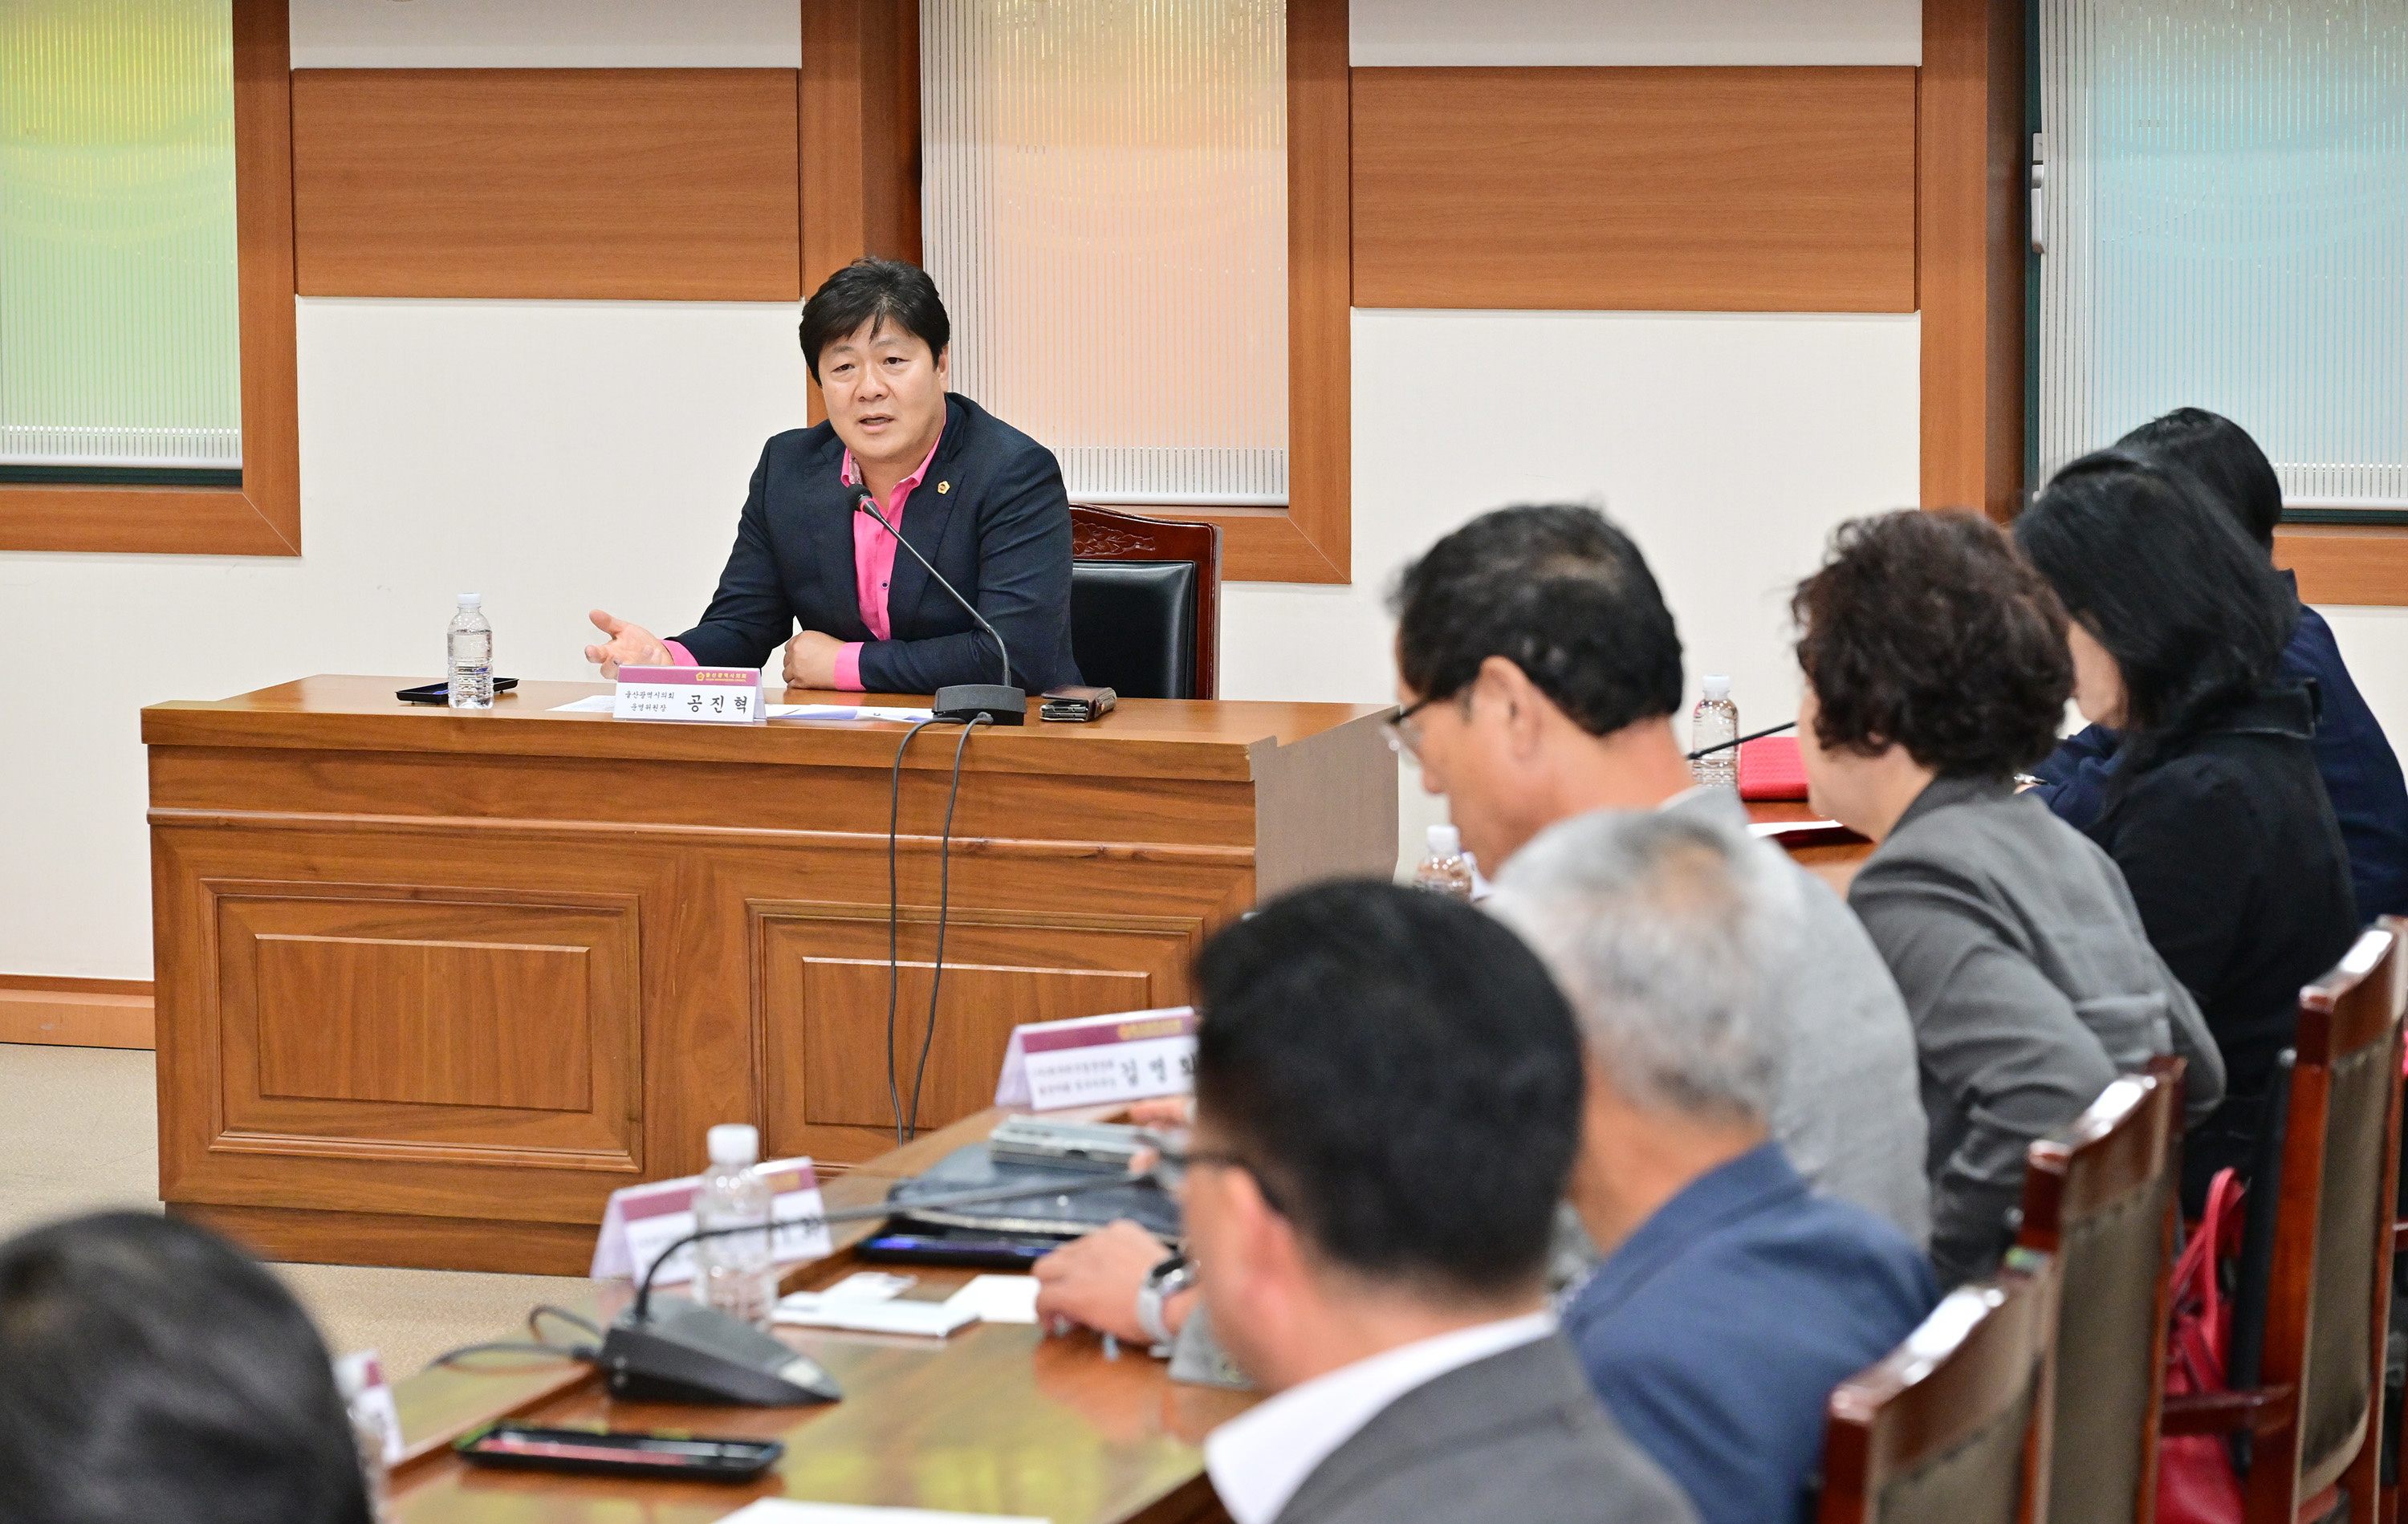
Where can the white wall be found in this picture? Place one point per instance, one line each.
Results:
(549, 455)
(1727, 445)
(1547, 32)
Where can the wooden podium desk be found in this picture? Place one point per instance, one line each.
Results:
(432, 985)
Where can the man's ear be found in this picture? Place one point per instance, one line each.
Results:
(1522, 708)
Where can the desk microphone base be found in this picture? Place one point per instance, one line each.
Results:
(683, 1352)
(967, 701)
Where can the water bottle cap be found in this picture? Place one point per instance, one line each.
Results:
(472, 600)
(734, 1144)
(1714, 688)
(1445, 841)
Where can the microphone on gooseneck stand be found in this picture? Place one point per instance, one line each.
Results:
(685, 1352)
(1000, 703)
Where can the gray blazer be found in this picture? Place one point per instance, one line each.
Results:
(2032, 985)
(1848, 1114)
(1516, 1436)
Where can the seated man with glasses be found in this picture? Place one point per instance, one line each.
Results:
(1540, 672)
(1372, 1192)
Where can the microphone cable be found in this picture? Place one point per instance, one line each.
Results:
(906, 1126)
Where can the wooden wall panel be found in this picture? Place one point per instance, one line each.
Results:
(644, 184)
(821, 990)
(391, 1022)
(1970, 251)
(1775, 190)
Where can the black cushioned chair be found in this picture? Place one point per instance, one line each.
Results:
(1145, 603)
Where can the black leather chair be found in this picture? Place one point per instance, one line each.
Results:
(1145, 597)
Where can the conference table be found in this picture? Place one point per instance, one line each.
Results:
(995, 1419)
(431, 983)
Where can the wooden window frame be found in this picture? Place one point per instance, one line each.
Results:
(262, 515)
(861, 190)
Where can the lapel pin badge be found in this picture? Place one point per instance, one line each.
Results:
(942, 487)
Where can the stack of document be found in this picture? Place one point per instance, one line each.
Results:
(871, 1303)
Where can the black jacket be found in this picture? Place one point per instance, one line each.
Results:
(2236, 863)
(991, 513)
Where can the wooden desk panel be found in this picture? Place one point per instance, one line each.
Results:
(431, 986)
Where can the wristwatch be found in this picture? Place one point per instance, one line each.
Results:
(1163, 1282)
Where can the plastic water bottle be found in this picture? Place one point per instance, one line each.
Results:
(470, 657)
(1447, 870)
(735, 1273)
(376, 1424)
(1715, 722)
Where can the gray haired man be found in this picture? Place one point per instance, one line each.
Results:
(1731, 1298)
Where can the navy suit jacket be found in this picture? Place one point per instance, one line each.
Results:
(2361, 772)
(1716, 1332)
(991, 513)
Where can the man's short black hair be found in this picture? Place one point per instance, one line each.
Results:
(1557, 590)
(149, 1370)
(2220, 453)
(880, 291)
(2140, 552)
(1925, 630)
(1403, 1078)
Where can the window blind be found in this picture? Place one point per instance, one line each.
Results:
(118, 318)
(2223, 215)
(1104, 189)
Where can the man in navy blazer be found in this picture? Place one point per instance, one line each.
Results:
(977, 497)
(1731, 1298)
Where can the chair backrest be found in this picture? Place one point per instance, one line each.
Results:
(1946, 1429)
(1145, 603)
(2327, 1304)
(2101, 1197)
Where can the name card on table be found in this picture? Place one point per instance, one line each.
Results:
(699, 695)
(642, 1221)
(1095, 1060)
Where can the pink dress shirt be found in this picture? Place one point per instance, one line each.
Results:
(873, 569)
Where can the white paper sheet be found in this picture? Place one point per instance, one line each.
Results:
(998, 1298)
(600, 704)
(784, 1511)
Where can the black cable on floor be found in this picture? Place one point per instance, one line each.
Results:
(894, 817)
(944, 908)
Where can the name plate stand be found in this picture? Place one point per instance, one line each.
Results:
(694, 695)
(1094, 1061)
(642, 1221)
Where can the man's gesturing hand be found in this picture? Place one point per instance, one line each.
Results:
(1095, 1280)
(630, 646)
(810, 659)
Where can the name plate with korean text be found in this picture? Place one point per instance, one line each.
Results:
(1095, 1060)
(696, 695)
(643, 1220)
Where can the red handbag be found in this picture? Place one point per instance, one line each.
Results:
(2195, 1482)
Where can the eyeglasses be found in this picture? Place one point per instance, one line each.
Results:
(1403, 736)
(1172, 1166)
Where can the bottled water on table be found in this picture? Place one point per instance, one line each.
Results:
(468, 670)
(1715, 722)
(1447, 870)
(735, 1273)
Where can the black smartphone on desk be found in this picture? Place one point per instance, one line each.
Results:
(683, 1458)
(441, 692)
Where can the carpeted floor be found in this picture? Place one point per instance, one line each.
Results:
(79, 1132)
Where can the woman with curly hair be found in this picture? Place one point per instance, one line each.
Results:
(2214, 811)
(1936, 669)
